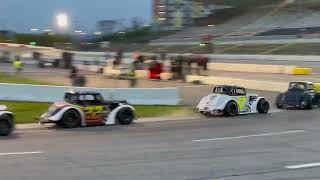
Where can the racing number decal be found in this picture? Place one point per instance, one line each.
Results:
(93, 112)
(241, 101)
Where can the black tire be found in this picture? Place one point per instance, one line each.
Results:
(278, 101)
(263, 106)
(125, 116)
(71, 119)
(306, 102)
(231, 109)
(6, 126)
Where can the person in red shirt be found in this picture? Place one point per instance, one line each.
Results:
(155, 69)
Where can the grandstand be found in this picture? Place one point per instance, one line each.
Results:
(293, 16)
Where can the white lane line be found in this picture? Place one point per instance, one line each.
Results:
(303, 166)
(21, 153)
(250, 136)
(35, 131)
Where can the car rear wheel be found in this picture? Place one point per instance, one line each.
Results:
(231, 109)
(71, 119)
(125, 116)
(263, 106)
(305, 102)
(5, 126)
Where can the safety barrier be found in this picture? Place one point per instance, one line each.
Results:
(260, 68)
(301, 71)
(137, 96)
(249, 84)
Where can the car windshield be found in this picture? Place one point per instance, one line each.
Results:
(300, 86)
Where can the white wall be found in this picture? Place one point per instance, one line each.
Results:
(137, 96)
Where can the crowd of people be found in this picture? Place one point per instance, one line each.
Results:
(178, 66)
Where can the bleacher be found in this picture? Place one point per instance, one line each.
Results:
(298, 14)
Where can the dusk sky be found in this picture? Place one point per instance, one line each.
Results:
(21, 15)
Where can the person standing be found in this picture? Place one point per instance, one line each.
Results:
(18, 64)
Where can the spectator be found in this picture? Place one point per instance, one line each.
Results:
(118, 58)
(73, 72)
(155, 69)
(18, 64)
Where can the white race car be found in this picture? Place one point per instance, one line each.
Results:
(88, 109)
(232, 101)
(6, 121)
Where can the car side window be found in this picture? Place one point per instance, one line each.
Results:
(240, 92)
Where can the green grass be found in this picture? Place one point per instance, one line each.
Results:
(15, 79)
(159, 111)
(25, 112)
(299, 49)
(250, 49)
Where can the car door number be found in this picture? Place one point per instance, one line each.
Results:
(93, 112)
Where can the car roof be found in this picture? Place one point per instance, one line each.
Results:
(307, 82)
(83, 92)
(229, 87)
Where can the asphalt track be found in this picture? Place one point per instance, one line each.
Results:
(280, 145)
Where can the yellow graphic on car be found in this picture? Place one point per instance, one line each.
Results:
(241, 101)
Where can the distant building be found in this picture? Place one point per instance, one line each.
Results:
(178, 14)
(106, 27)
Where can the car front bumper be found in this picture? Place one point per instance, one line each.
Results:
(208, 112)
(44, 119)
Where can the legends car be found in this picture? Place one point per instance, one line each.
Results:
(300, 94)
(88, 109)
(232, 101)
(6, 121)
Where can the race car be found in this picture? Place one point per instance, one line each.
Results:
(300, 94)
(88, 109)
(6, 121)
(231, 101)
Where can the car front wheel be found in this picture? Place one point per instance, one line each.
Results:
(263, 106)
(278, 101)
(125, 116)
(71, 119)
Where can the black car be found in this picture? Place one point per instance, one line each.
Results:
(301, 95)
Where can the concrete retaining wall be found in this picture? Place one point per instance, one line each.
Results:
(138, 96)
(260, 68)
(249, 84)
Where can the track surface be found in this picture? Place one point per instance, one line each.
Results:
(242, 148)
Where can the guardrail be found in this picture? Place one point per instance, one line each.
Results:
(136, 96)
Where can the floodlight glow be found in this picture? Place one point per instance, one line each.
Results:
(62, 20)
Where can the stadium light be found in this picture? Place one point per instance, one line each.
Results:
(62, 20)
(211, 25)
(34, 29)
